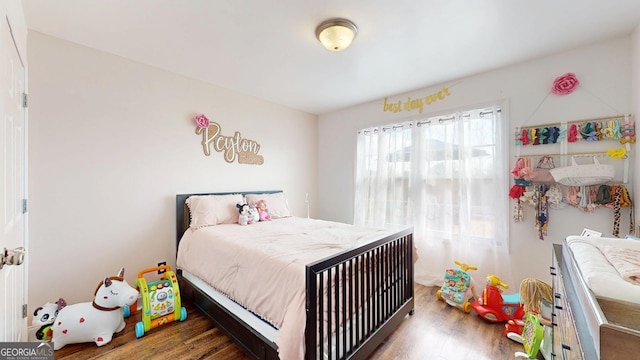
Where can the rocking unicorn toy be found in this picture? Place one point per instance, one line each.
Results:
(98, 320)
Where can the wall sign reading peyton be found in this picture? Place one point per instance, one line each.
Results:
(232, 147)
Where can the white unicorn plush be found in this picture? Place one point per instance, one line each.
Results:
(95, 321)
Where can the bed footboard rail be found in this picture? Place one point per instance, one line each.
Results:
(356, 299)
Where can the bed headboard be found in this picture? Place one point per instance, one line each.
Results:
(182, 210)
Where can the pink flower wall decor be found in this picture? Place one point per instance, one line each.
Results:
(565, 84)
(201, 121)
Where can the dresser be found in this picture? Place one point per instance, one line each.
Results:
(586, 328)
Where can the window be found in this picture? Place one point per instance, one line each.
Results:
(446, 176)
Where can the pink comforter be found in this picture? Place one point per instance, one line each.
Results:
(262, 266)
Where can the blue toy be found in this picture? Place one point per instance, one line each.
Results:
(160, 300)
(458, 287)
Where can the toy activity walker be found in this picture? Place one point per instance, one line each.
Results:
(160, 300)
(458, 287)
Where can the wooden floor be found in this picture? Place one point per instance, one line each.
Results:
(435, 331)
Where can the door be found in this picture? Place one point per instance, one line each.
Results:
(13, 217)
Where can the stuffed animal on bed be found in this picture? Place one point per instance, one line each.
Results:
(254, 217)
(43, 318)
(243, 217)
(262, 210)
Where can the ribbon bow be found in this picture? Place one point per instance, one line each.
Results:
(573, 133)
(589, 134)
(534, 137)
(544, 135)
(609, 131)
(628, 123)
(630, 140)
(598, 131)
(617, 154)
(554, 134)
(525, 137)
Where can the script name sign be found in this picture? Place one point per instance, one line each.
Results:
(233, 148)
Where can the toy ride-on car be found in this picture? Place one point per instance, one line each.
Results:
(495, 307)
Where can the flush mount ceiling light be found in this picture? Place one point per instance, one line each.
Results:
(336, 34)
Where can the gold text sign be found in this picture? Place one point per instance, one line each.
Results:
(232, 147)
(417, 103)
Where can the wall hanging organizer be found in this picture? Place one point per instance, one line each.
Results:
(584, 180)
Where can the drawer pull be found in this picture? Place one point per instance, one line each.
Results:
(558, 307)
(557, 295)
(567, 347)
(554, 324)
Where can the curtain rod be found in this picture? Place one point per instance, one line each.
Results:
(577, 121)
(425, 122)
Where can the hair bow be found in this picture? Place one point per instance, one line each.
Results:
(617, 154)
(525, 137)
(589, 134)
(573, 133)
(534, 137)
(598, 128)
(544, 135)
(554, 134)
(518, 137)
(628, 123)
(608, 131)
(630, 140)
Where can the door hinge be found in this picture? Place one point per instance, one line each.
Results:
(24, 100)
(24, 311)
(24, 206)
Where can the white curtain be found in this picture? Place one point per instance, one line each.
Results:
(447, 177)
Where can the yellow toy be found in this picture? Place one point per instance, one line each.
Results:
(160, 300)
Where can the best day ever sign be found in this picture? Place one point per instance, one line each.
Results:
(416, 103)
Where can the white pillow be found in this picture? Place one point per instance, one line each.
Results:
(209, 210)
(276, 204)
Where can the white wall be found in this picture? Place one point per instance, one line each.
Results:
(605, 73)
(111, 144)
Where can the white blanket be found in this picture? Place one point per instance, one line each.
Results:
(262, 266)
(626, 261)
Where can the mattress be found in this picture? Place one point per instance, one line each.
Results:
(602, 278)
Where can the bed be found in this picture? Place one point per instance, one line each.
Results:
(339, 301)
(597, 301)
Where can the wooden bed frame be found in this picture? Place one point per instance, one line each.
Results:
(384, 269)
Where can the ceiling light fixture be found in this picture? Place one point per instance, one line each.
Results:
(336, 34)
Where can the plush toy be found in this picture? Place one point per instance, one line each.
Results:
(44, 316)
(243, 217)
(98, 320)
(262, 210)
(253, 214)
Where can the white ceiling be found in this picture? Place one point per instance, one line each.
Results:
(268, 49)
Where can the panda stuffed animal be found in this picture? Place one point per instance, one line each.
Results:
(44, 317)
(243, 217)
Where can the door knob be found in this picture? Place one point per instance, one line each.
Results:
(12, 257)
